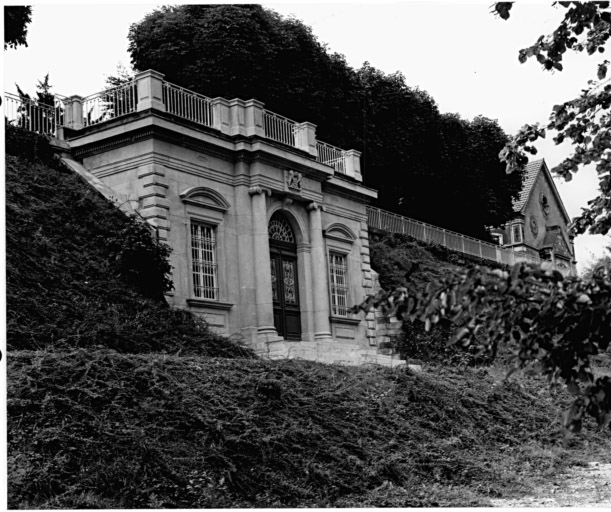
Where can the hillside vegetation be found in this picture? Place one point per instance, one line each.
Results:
(82, 274)
(117, 401)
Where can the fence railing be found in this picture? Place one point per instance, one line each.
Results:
(393, 223)
(187, 104)
(110, 104)
(331, 156)
(33, 116)
(279, 128)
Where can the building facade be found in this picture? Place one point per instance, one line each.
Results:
(539, 231)
(267, 225)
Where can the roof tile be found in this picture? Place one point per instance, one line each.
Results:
(530, 176)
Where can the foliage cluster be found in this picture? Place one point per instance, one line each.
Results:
(416, 157)
(585, 120)
(553, 324)
(95, 428)
(79, 272)
(16, 20)
(405, 263)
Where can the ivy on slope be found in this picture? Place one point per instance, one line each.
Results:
(79, 272)
(95, 428)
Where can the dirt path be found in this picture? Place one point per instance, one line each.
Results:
(588, 486)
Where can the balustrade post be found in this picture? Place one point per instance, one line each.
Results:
(220, 115)
(253, 118)
(73, 112)
(352, 160)
(305, 138)
(150, 90)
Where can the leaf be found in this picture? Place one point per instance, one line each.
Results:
(602, 70)
(502, 9)
(573, 388)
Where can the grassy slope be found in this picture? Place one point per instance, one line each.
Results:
(66, 286)
(117, 430)
(92, 425)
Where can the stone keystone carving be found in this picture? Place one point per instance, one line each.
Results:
(293, 180)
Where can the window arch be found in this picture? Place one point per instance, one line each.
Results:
(279, 229)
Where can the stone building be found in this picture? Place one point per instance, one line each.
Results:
(267, 225)
(539, 231)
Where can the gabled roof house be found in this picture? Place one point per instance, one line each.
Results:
(539, 230)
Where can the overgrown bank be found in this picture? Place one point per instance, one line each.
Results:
(103, 429)
(82, 274)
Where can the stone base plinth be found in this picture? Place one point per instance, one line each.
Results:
(330, 352)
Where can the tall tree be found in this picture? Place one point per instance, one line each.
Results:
(585, 120)
(247, 51)
(16, 21)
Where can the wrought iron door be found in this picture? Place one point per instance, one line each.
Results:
(285, 287)
(285, 293)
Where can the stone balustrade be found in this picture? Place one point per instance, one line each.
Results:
(231, 117)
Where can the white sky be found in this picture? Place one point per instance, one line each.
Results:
(457, 51)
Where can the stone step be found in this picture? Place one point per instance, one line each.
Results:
(330, 352)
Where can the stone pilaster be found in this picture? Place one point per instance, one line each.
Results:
(264, 306)
(370, 282)
(322, 326)
(154, 206)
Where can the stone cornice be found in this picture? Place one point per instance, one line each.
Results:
(209, 304)
(351, 189)
(149, 124)
(345, 320)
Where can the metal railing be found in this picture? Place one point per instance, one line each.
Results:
(110, 104)
(123, 100)
(393, 223)
(33, 116)
(187, 104)
(331, 156)
(279, 128)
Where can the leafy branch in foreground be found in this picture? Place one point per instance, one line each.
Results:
(553, 324)
(585, 120)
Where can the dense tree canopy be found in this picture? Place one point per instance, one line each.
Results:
(585, 120)
(16, 20)
(423, 163)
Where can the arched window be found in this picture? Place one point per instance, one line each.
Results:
(279, 229)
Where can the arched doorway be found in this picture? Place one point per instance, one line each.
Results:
(285, 288)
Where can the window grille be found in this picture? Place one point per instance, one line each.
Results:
(203, 255)
(339, 286)
(280, 229)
